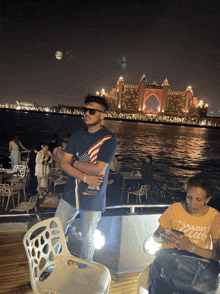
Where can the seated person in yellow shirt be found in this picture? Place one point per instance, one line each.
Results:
(195, 239)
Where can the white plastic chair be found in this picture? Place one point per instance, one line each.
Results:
(22, 170)
(55, 172)
(27, 171)
(143, 281)
(5, 191)
(26, 206)
(42, 243)
(141, 192)
(62, 180)
(18, 184)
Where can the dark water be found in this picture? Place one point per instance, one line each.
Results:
(178, 152)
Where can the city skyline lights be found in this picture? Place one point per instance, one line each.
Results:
(58, 52)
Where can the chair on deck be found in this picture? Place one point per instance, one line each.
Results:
(22, 172)
(5, 191)
(26, 206)
(143, 281)
(55, 173)
(62, 180)
(27, 171)
(141, 192)
(17, 185)
(50, 263)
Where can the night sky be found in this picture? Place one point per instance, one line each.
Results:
(100, 41)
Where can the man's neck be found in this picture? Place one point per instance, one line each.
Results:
(94, 129)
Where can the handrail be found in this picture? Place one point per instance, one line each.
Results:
(131, 206)
(137, 205)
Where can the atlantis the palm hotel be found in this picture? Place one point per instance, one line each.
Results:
(155, 102)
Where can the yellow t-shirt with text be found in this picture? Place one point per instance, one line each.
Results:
(200, 230)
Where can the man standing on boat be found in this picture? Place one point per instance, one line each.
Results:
(87, 159)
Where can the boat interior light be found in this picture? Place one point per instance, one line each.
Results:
(99, 239)
(150, 247)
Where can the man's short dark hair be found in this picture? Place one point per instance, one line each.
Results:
(97, 99)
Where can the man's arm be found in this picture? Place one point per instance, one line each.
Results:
(105, 155)
(74, 172)
(94, 169)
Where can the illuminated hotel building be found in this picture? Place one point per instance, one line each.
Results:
(153, 99)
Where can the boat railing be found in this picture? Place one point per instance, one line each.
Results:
(131, 208)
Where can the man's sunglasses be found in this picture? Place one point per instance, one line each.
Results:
(92, 111)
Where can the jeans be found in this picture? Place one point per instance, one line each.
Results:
(89, 222)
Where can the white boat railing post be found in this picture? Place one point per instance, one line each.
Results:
(132, 210)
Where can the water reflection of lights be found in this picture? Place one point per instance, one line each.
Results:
(150, 247)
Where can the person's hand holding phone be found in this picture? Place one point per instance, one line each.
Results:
(178, 239)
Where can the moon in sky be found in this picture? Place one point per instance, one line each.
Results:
(58, 55)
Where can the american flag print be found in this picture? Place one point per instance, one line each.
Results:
(91, 155)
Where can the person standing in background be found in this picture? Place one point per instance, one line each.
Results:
(53, 143)
(15, 153)
(42, 169)
(147, 170)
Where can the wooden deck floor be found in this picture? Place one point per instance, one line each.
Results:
(14, 270)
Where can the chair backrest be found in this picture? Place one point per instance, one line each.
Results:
(22, 170)
(144, 189)
(16, 184)
(55, 169)
(42, 243)
(47, 253)
(5, 190)
(33, 200)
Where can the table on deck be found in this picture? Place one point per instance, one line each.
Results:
(7, 175)
(129, 176)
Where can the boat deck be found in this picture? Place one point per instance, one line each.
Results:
(14, 270)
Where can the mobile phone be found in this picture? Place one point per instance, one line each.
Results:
(167, 232)
(178, 232)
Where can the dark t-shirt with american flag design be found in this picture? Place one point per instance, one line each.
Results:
(90, 147)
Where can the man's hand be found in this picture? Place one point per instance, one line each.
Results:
(93, 181)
